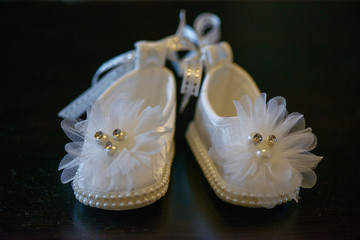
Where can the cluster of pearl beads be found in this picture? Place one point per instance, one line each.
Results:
(264, 146)
(122, 201)
(114, 145)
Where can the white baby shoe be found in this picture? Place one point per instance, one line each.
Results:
(252, 152)
(121, 155)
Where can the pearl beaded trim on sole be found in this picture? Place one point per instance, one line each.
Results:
(125, 201)
(223, 190)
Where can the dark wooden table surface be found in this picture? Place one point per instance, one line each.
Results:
(307, 52)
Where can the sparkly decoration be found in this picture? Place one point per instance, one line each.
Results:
(264, 149)
(98, 135)
(119, 134)
(109, 148)
(108, 145)
(271, 140)
(255, 138)
(115, 144)
(100, 138)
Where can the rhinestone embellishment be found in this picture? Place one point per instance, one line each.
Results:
(115, 144)
(255, 138)
(108, 145)
(119, 134)
(98, 135)
(263, 148)
(271, 140)
(109, 148)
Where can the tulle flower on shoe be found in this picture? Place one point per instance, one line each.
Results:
(117, 149)
(270, 151)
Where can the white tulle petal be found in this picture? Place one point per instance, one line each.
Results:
(239, 109)
(145, 159)
(300, 141)
(309, 179)
(244, 119)
(283, 178)
(260, 115)
(314, 143)
(68, 161)
(246, 105)
(307, 131)
(245, 172)
(147, 142)
(74, 148)
(149, 118)
(68, 174)
(284, 128)
(96, 118)
(123, 164)
(70, 129)
(124, 113)
(277, 112)
(275, 102)
(81, 126)
(300, 125)
(304, 161)
(126, 107)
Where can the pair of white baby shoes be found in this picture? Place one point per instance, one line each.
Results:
(252, 152)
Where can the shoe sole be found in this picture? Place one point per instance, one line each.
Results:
(223, 190)
(127, 201)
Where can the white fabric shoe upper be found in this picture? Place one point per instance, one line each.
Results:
(257, 147)
(142, 105)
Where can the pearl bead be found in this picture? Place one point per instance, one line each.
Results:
(263, 153)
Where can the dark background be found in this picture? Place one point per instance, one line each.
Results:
(307, 52)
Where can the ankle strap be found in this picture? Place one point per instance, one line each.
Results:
(210, 56)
